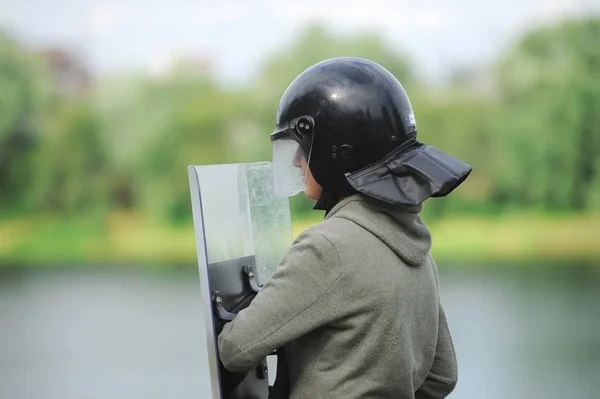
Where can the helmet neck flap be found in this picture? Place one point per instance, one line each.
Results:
(363, 135)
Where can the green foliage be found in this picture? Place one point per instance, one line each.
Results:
(550, 123)
(155, 129)
(317, 44)
(21, 98)
(72, 170)
(530, 128)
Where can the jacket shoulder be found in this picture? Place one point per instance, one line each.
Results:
(337, 231)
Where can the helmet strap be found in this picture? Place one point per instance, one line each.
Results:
(330, 196)
(326, 201)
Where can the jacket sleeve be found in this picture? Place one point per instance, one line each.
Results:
(300, 296)
(443, 375)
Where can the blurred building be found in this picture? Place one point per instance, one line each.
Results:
(69, 73)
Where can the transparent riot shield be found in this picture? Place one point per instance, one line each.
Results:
(242, 232)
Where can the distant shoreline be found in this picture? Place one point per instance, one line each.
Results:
(130, 240)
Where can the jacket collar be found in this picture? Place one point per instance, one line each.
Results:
(376, 203)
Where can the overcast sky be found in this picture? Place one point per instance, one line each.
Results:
(146, 34)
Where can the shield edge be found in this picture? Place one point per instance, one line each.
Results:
(206, 300)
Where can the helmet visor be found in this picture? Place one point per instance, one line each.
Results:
(291, 156)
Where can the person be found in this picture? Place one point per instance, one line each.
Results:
(355, 301)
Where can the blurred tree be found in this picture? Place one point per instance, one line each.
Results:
(71, 164)
(530, 131)
(459, 121)
(156, 127)
(194, 132)
(316, 44)
(22, 91)
(549, 134)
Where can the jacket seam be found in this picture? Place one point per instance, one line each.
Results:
(303, 311)
(341, 271)
(293, 318)
(340, 277)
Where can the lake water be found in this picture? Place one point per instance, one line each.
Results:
(110, 334)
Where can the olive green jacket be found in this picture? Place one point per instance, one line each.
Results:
(355, 301)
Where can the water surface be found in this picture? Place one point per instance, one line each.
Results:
(115, 334)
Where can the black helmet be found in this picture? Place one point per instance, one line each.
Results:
(353, 122)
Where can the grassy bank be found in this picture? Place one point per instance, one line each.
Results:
(127, 238)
